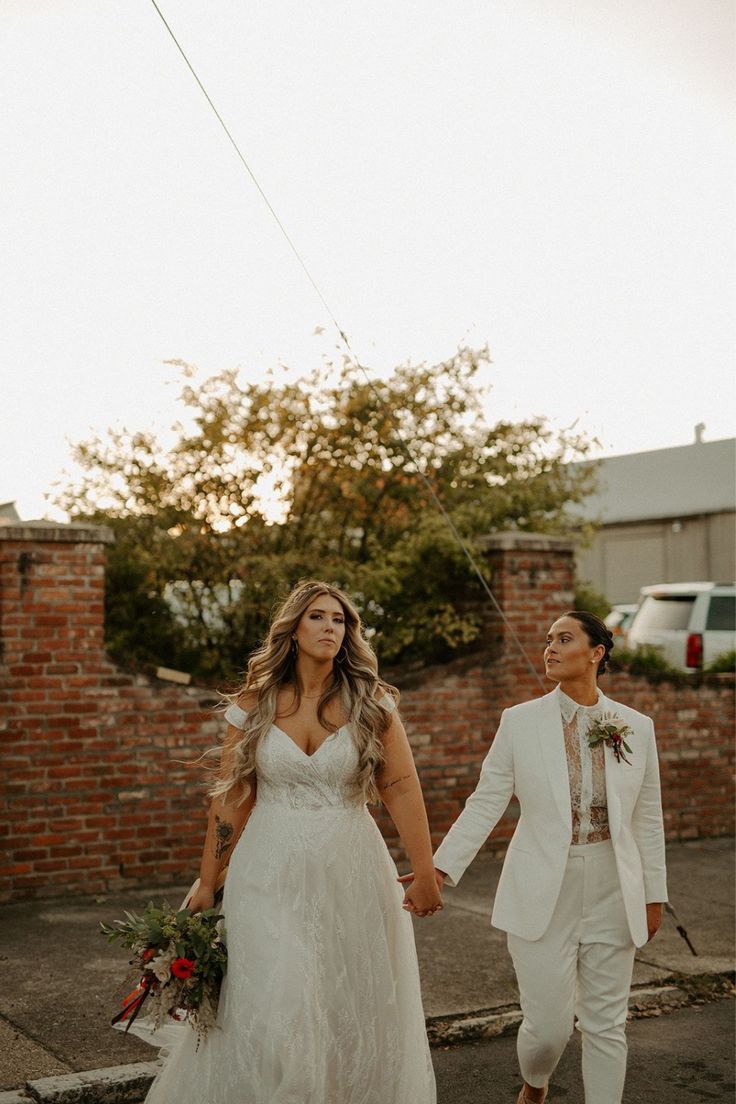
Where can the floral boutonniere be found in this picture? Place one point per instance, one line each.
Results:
(612, 731)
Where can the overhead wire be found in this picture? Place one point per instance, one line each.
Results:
(355, 360)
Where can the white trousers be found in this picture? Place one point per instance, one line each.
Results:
(581, 967)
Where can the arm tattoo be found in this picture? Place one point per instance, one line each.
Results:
(223, 835)
(390, 784)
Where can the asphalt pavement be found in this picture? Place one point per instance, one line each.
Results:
(62, 981)
(685, 1057)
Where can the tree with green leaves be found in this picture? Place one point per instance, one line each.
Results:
(200, 558)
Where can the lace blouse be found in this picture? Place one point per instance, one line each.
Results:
(586, 768)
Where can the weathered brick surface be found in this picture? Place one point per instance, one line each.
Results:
(96, 793)
(92, 795)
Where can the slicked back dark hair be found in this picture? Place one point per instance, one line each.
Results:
(597, 633)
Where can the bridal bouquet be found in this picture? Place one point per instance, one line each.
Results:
(180, 959)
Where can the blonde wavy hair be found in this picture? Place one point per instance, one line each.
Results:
(355, 683)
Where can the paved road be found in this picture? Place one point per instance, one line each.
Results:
(685, 1057)
(62, 981)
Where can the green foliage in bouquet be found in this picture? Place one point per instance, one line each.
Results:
(181, 960)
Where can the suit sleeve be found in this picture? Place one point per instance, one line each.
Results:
(483, 809)
(648, 827)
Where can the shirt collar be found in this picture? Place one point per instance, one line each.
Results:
(569, 708)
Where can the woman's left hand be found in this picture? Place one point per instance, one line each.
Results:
(423, 895)
(654, 919)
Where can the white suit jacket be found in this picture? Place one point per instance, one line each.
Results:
(527, 758)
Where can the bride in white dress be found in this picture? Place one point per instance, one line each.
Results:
(321, 1001)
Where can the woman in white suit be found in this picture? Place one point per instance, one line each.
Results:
(583, 881)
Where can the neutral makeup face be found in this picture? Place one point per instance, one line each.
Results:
(321, 629)
(569, 655)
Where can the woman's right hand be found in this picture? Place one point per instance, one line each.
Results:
(201, 898)
(407, 879)
(423, 895)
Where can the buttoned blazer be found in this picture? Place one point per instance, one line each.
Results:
(527, 758)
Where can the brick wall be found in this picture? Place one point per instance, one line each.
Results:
(92, 795)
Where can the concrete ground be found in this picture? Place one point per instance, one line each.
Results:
(62, 981)
(465, 964)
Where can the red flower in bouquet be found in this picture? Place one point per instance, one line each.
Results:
(183, 967)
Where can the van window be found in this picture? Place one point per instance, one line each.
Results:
(722, 613)
(671, 611)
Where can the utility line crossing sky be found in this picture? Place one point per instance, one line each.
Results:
(554, 179)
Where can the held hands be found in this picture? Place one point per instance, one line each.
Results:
(423, 896)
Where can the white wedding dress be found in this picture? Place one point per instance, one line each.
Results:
(321, 1001)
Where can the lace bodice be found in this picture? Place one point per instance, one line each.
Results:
(288, 777)
(586, 768)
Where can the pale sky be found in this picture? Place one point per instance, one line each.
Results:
(551, 177)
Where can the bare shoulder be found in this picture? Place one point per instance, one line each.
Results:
(393, 724)
(247, 700)
(237, 711)
(387, 696)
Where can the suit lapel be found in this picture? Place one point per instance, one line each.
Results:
(552, 743)
(613, 777)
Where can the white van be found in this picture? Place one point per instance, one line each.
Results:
(691, 623)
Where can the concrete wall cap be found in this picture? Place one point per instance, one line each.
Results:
(57, 532)
(528, 542)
